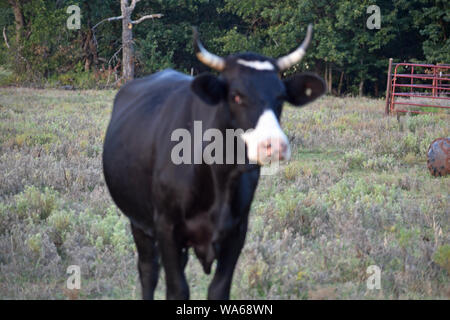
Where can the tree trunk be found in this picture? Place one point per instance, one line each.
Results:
(89, 43)
(330, 79)
(361, 87)
(19, 22)
(127, 43)
(90, 50)
(18, 18)
(340, 83)
(127, 37)
(361, 80)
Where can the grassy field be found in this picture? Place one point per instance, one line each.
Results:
(356, 193)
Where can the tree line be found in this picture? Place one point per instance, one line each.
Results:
(39, 49)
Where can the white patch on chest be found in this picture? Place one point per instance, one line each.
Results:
(257, 65)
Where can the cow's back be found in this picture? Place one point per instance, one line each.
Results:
(144, 111)
(152, 90)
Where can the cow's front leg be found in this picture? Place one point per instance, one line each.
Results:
(148, 264)
(230, 249)
(174, 259)
(231, 246)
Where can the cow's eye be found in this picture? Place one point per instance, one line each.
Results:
(237, 99)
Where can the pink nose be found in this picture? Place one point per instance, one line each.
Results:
(274, 148)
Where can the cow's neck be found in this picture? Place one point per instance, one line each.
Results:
(225, 179)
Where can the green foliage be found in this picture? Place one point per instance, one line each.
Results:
(76, 79)
(107, 230)
(406, 237)
(287, 202)
(35, 204)
(31, 139)
(6, 77)
(35, 243)
(385, 162)
(291, 171)
(442, 257)
(156, 51)
(355, 159)
(349, 191)
(433, 20)
(414, 30)
(419, 121)
(62, 220)
(6, 21)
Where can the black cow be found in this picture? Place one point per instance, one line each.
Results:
(172, 206)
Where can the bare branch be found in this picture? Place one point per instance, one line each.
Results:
(114, 56)
(149, 16)
(104, 20)
(108, 19)
(133, 5)
(5, 37)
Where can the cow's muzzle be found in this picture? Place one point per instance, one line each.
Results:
(272, 150)
(267, 143)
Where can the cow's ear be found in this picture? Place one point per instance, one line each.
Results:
(304, 88)
(209, 88)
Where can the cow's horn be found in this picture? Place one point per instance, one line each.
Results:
(206, 57)
(294, 57)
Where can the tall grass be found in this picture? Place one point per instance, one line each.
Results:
(356, 193)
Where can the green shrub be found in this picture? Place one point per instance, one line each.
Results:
(4, 217)
(34, 138)
(419, 121)
(384, 162)
(442, 257)
(6, 77)
(34, 243)
(355, 159)
(110, 229)
(410, 144)
(35, 204)
(406, 237)
(61, 220)
(286, 202)
(367, 193)
(292, 170)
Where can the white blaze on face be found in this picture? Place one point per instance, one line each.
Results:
(257, 65)
(267, 129)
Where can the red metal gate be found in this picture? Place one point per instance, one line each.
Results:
(423, 88)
